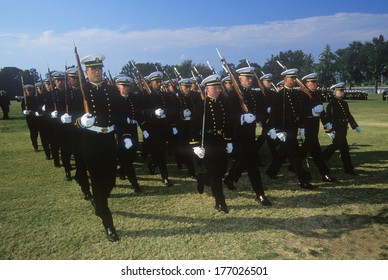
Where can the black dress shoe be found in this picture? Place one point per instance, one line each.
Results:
(137, 189)
(167, 182)
(222, 208)
(263, 200)
(328, 178)
(111, 234)
(68, 176)
(351, 173)
(230, 184)
(88, 196)
(306, 185)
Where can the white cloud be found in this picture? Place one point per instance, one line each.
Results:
(256, 41)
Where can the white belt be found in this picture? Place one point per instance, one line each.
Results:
(100, 129)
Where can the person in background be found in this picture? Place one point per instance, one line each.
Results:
(5, 104)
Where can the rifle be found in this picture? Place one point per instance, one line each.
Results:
(234, 82)
(214, 72)
(51, 88)
(299, 82)
(112, 82)
(24, 92)
(142, 81)
(199, 87)
(66, 81)
(82, 80)
(199, 74)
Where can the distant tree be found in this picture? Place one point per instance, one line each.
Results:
(326, 68)
(10, 81)
(377, 59)
(349, 64)
(290, 59)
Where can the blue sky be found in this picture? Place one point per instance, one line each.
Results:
(34, 34)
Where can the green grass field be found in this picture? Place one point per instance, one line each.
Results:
(44, 217)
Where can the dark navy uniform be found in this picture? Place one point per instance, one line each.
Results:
(128, 131)
(76, 110)
(160, 114)
(312, 109)
(338, 113)
(98, 140)
(188, 103)
(217, 134)
(29, 111)
(265, 108)
(286, 117)
(42, 120)
(60, 141)
(244, 142)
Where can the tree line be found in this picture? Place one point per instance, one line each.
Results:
(359, 64)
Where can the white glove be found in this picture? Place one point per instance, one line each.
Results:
(358, 129)
(159, 113)
(302, 133)
(66, 118)
(146, 134)
(54, 114)
(317, 110)
(44, 108)
(37, 114)
(331, 135)
(129, 121)
(26, 112)
(248, 118)
(174, 131)
(282, 136)
(269, 110)
(199, 151)
(87, 120)
(186, 114)
(229, 148)
(272, 134)
(328, 126)
(128, 143)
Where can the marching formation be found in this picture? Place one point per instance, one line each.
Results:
(99, 121)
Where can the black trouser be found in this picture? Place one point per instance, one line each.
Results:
(65, 137)
(34, 131)
(54, 140)
(216, 165)
(42, 123)
(184, 150)
(311, 145)
(290, 149)
(264, 137)
(340, 143)
(126, 158)
(99, 151)
(81, 175)
(245, 159)
(158, 146)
